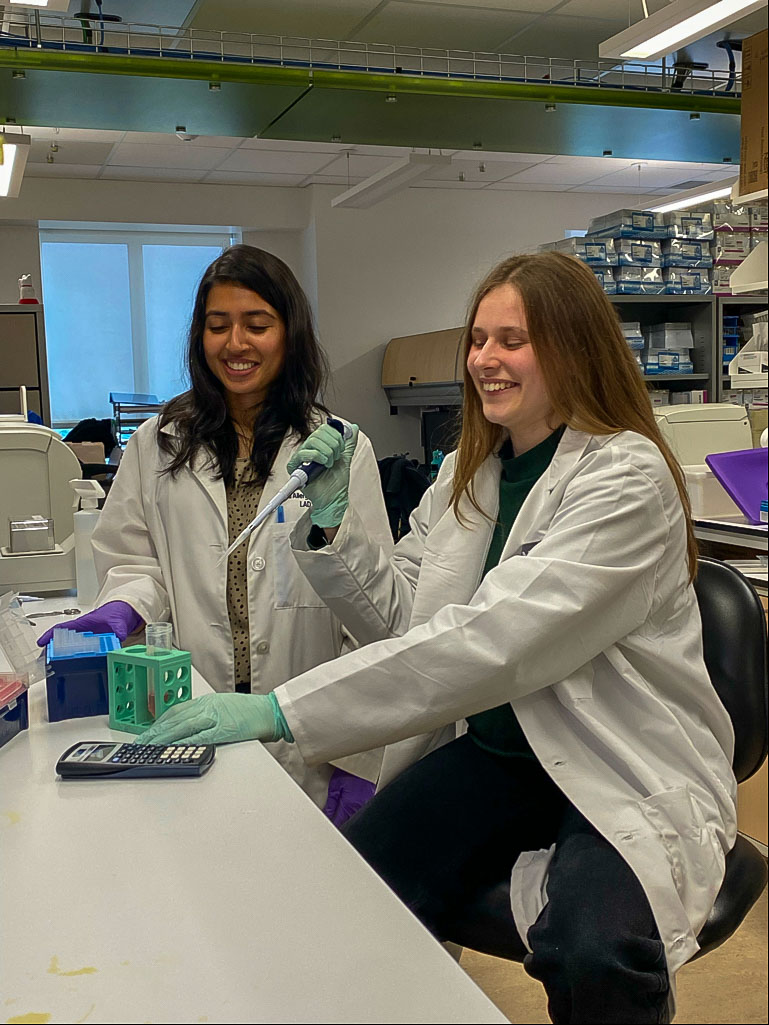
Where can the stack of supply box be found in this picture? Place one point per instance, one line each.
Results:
(731, 243)
(668, 349)
(635, 339)
(636, 235)
(598, 254)
(738, 230)
(686, 257)
(731, 331)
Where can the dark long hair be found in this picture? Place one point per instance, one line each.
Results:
(200, 415)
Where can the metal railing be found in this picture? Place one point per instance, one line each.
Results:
(59, 32)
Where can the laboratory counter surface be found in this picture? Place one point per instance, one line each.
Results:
(224, 898)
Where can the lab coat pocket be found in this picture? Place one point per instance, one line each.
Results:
(695, 855)
(292, 589)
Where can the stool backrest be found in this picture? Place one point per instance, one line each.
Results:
(734, 641)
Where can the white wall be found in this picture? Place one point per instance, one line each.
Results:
(409, 264)
(406, 265)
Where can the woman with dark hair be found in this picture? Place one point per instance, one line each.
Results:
(192, 478)
(534, 658)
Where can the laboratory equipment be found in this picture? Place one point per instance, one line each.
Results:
(297, 480)
(85, 519)
(142, 685)
(694, 431)
(687, 281)
(32, 535)
(707, 497)
(76, 674)
(159, 638)
(744, 476)
(106, 759)
(14, 712)
(686, 252)
(35, 468)
(688, 224)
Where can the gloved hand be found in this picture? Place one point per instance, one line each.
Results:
(115, 617)
(329, 492)
(346, 794)
(220, 719)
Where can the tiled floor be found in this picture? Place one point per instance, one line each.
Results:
(728, 986)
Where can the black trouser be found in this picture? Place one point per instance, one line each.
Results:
(457, 820)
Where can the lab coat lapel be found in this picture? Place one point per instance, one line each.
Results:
(539, 508)
(455, 554)
(204, 474)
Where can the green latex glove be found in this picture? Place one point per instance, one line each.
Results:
(329, 492)
(220, 719)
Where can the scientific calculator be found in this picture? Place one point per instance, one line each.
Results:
(98, 759)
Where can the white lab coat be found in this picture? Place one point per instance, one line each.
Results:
(589, 628)
(158, 546)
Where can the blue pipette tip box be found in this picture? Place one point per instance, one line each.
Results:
(77, 684)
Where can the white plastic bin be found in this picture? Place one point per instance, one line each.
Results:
(708, 497)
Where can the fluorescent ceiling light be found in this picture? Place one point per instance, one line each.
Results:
(672, 27)
(390, 179)
(51, 5)
(14, 150)
(694, 197)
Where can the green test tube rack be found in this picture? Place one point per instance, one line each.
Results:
(142, 686)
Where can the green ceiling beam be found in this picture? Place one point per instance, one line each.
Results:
(359, 81)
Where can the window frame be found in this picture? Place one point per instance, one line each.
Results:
(134, 238)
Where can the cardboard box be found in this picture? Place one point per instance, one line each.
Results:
(88, 451)
(759, 421)
(754, 132)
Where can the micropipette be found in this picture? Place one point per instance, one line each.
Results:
(298, 479)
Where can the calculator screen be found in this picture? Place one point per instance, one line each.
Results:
(99, 752)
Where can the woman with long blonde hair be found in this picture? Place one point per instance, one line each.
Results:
(533, 659)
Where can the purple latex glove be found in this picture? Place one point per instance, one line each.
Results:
(346, 794)
(115, 617)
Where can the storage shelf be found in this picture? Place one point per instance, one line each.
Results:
(676, 377)
(750, 381)
(751, 197)
(751, 275)
(652, 299)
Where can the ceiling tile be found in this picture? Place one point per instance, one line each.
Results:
(293, 145)
(182, 154)
(138, 174)
(69, 152)
(516, 6)
(494, 170)
(432, 25)
(298, 17)
(612, 189)
(453, 184)
(170, 139)
(610, 9)
(556, 174)
(600, 165)
(508, 186)
(331, 179)
(564, 37)
(514, 158)
(275, 161)
(62, 170)
(242, 178)
(649, 177)
(75, 134)
(362, 165)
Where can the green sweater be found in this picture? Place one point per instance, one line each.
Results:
(497, 730)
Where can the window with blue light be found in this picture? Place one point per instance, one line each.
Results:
(117, 311)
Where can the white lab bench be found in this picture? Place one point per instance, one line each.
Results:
(228, 898)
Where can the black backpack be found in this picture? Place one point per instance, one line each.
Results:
(403, 485)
